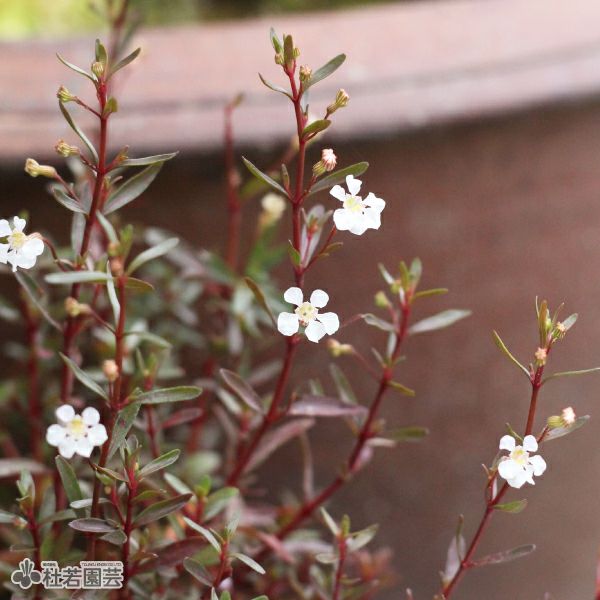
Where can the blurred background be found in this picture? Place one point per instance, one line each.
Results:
(481, 121)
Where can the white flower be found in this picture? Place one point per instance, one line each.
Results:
(307, 314)
(76, 434)
(20, 250)
(357, 215)
(518, 467)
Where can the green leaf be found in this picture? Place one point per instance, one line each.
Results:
(132, 188)
(69, 480)
(218, 500)
(264, 177)
(507, 352)
(512, 507)
(260, 298)
(504, 557)
(77, 277)
(111, 234)
(152, 253)
(173, 394)
(274, 87)
(243, 390)
(116, 537)
(402, 388)
(342, 385)
(124, 62)
(205, 533)
(294, 255)
(161, 509)
(101, 52)
(315, 127)
(375, 321)
(12, 519)
(159, 463)
(361, 538)
(84, 378)
(27, 283)
(558, 432)
(147, 160)
(137, 285)
(70, 203)
(408, 434)
(250, 562)
(92, 525)
(78, 131)
(326, 70)
(195, 568)
(74, 67)
(570, 373)
(431, 292)
(123, 423)
(330, 522)
(439, 321)
(339, 176)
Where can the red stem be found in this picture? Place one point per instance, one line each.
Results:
(337, 589)
(127, 529)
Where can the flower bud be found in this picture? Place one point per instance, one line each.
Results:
(64, 95)
(33, 168)
(98, 69)
(279, 59)
(540, 356)
(337, 349)
(110, 370)
(65, 149)
(74, 308)
(305, 73)
(568, 416)
(329, 159)
(341, 100)
(560, 330)
(381, 300)
(273, 207)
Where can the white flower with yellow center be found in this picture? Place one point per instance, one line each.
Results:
(357, 214)
(307, 314)
(76, 434)
(519, 467)
(20, 250)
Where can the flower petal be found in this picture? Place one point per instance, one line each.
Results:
(4, 248)
(294, 295)
(4, 228)
(353, 184)
(372, 218)
(97, 435)
(343, 219)
(19, 223)
(508, 468)
(55, 434)
(518, 480)
(538, 464)
(360, 225)
(319, 298)
(530, 443)
(67, 448)
(288, 323)
(330, 321)
(507, 442)
(374, 202)
(90, 416)
(337, 191)
(33, 247)
(315, 331)
(18, 259)
(84, 447)
(65, 413)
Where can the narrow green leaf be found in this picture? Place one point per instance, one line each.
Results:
(402, 388)
(160, 463)
(74, 67)
(101, 56)
(218, 501)
(439, 321)
(343, 385)
(315, 127)
(361, 538)
(69, 480)
(132, 188)
(274, 87)
(77, 277)
(504, 557)
(243, 390)
(375, 321)
(339, 176)
(250, 562)
(161, 509)
(558, 432)
(124, 62)
(195, 568)
(78, 131)
(264, 177)
(408, 434)
(431, 292)
(123, 423)
(137, 285)
(205, 533)
(111, 234)
(174, 394)
(26, 282)
(92, 525)
(507, 352)
(514, 507)
(84, 378)
(260, 298)
(570, 373)
(326, 70)
(10, 518)
(152, 253)
(70, 203)
(147, 160)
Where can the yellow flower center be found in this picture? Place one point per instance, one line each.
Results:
(76, 427)
(17, 240)
(520, 456)
(306, 313)
(353, 203)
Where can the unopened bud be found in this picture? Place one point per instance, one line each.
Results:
(74, 308)
(65, 149)
(568, 416)
(117, 266)
(279, 60)
(33, 168)
(341, 100)
(305, 73)
(337, 349)
(98, 69)
(273, 207)
(381, 300)
(560, 330)
(64, 95)
(329, 159)
(540, 356)
(110, 370)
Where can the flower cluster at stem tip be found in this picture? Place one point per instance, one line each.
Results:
(19, 250)
(519, 466)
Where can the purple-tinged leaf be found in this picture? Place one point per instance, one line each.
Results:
(325, 406)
